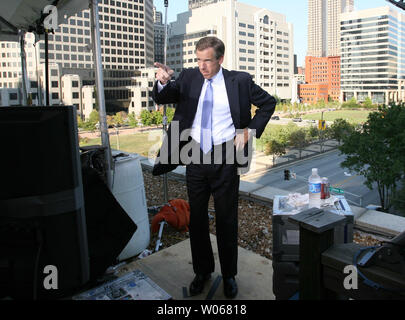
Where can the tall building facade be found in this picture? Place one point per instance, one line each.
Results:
(324, 27)
(257, 41)
(373, 55)
(127, 45)
(126, 33)
(159, 36)
(194, 4)
(317, 29)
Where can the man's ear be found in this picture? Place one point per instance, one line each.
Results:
(221, 59)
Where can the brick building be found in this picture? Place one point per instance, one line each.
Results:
(321, 72)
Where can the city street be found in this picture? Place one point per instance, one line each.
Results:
(328, 165)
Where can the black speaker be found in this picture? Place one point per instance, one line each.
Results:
(42, 217)
(54, 211)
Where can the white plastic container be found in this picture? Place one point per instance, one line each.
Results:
(314, 189)
(129, 190)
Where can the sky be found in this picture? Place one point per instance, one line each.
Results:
(296, 12)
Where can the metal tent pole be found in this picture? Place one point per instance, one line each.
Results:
(95, 25)
(165, 183)
(46, 69)
(21, 34)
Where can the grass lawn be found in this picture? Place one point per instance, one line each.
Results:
(140, 143)
(352, 116)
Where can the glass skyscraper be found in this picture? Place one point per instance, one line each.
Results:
(373, 55)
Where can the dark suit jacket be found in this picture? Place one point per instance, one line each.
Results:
(185, 92)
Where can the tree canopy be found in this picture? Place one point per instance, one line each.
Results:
(377, 151)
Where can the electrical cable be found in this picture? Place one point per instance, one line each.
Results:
(366, 280)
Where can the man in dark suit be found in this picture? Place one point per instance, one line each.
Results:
(214, 108)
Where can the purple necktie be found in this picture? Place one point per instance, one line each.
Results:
(206, 119)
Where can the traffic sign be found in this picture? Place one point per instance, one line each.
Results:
(321, 124)
(336, 190)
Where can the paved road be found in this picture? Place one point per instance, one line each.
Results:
(328, 165)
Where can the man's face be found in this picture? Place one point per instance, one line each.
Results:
(208, 64)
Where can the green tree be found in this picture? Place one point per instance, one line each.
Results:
(157, 117)
(377, 151)
(94, 116)
(110, 121)
(118, 119)
(351, 104)
(368, 104)
(132, 121)
(298, 139)
(341, 128)
(321, 104)
(93, 119)
(170, 114)
(79, 122)
(398, 200)
(313, 133)
(146, 117)
(275, 148)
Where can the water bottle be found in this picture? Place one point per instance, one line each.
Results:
(314, 189)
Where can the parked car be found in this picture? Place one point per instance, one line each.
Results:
(297, 120)
(275, 118)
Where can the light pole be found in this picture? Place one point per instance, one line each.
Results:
(105, 139)
(165, 187)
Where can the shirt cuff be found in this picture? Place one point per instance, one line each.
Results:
(251, 132)
(161, 86)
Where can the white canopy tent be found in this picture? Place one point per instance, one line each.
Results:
(20, 16)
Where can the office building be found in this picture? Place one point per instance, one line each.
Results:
(323, 26)
(159, 36)
(313, 93)
(126, 33)
(320, 72)
(194, 4)
(88, 103)
(127, 45)
(373, 58)
(11, 70)
(257, 41)
(141, 92)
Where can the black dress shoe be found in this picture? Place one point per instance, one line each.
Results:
(197, 285)
(230, 287)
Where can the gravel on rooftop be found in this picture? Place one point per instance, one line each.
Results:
(254, 219)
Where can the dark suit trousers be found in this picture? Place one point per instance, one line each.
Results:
(222, 181)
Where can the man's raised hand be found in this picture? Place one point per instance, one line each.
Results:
(164, 73)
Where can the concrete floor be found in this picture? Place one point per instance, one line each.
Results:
(171, 269)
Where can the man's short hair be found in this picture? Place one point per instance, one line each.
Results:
(211, 42)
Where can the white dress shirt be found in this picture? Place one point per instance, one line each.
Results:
(222, 124)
